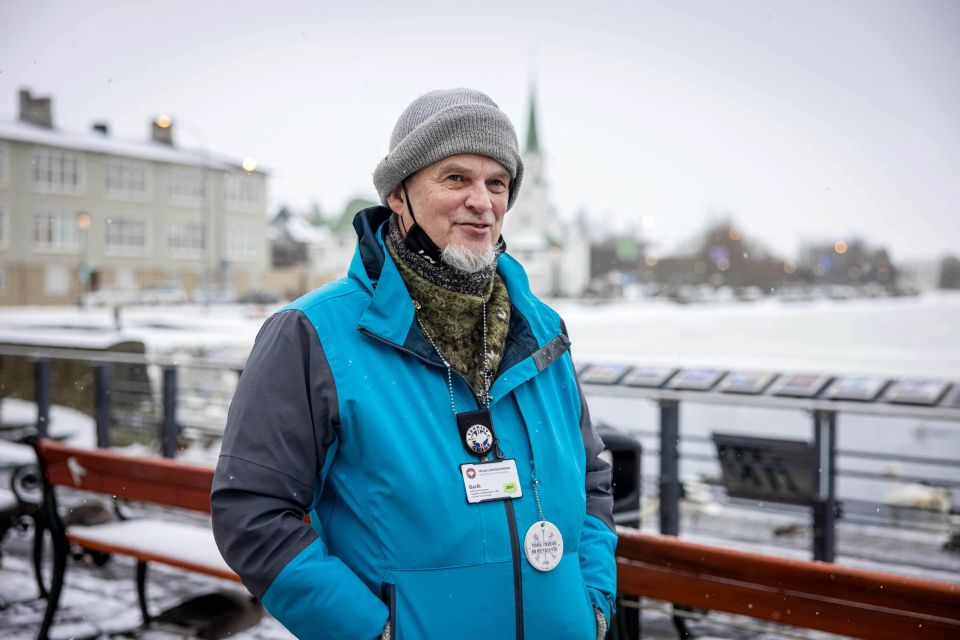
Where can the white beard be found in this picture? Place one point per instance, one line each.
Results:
(468, 260)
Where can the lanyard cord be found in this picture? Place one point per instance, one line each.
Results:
(486, 396)
(485, 400)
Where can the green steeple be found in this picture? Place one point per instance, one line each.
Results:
(533, 141)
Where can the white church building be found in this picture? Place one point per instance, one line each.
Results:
(555, 254)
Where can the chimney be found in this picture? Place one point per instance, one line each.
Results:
(102, 128)
(35, 110)
(162, 130)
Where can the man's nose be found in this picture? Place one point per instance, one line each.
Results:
(478, 198)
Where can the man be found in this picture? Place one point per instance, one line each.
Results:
(424, 412)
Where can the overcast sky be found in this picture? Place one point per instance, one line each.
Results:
(803, 121)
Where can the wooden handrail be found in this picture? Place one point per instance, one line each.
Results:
(808, 594)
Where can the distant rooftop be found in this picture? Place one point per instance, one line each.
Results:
(96, 142)
(36, 126)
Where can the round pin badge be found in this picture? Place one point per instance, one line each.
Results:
(543, 545)
(479, 439)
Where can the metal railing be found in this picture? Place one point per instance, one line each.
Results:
(823, 413)
(168, 399)
(133, 392)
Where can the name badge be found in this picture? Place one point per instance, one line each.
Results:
(494, 480)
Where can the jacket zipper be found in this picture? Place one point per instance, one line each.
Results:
(507, 504)
(517, 577)
(388, 593)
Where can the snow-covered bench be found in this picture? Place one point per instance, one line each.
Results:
(147, 480)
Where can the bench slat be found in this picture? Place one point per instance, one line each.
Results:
(172, 543)
(781, 606)
(825, 579)
(808, 594)
(155, 480)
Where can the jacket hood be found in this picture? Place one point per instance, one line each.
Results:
(367, 223)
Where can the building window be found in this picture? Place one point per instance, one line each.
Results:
(187, 186)
(56, 280)
(243, 242)
(55, 232)
(242, 191)
(126, 236)
(186, 240)
(127, 179)
(56, 171)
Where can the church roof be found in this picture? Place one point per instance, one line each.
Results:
(533, 140)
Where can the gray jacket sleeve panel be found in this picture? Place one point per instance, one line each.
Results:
(599, 471)
(281, 423)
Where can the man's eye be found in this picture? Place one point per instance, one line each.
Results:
(497, 184)
(455, 178)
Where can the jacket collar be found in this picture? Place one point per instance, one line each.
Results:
(390, 314)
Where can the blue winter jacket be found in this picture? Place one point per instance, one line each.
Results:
(343, 413)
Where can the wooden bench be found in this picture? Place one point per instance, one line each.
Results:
(809, 594)
(148, 480)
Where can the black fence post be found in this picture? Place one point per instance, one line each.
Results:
(101, 403)
(669, 467)
(41, 390)
(825, 506)
(168, 428)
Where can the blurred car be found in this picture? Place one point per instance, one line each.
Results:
(259, 296)
(170, 293)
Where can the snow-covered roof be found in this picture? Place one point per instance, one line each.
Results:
(302, 231)
(94, 142)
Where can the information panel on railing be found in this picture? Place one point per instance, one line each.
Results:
(768, 469)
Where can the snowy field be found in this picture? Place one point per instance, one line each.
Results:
(891, 336)
(887, 336)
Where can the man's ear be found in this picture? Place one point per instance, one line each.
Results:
(395, 201)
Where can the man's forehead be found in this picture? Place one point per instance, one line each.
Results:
(470, 162)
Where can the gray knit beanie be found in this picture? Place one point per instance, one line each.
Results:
(441, 124)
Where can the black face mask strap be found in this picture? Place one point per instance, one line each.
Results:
(406, 197)
(415, 238)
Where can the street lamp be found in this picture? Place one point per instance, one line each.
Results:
(83, 224)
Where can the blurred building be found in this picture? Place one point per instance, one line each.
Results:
(86, 211)
(849, 263)
(308, 252)
(721, 258)
(555, 255)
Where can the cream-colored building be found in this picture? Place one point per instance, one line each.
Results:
(86, 211)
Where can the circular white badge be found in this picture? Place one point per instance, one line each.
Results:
(543, 545)
(479, 438)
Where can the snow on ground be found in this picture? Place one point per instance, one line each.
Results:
(893, 336)
(69, 425)
(889, 336)
(220, 330)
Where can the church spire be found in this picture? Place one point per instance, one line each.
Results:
(533, 141)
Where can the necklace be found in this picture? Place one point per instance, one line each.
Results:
(476, 427)
(486, 372)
